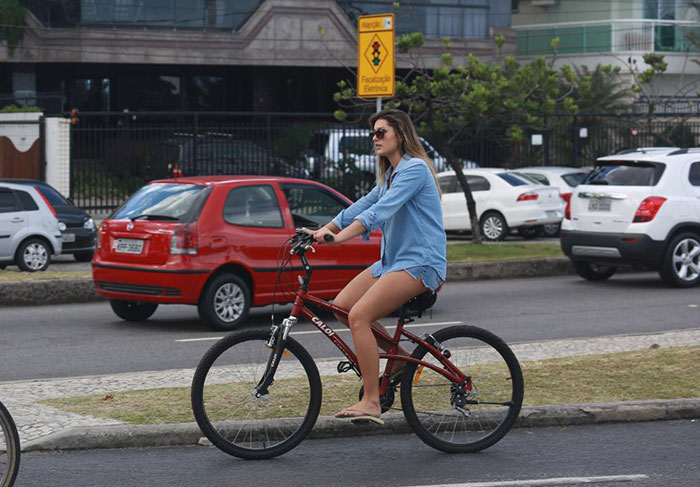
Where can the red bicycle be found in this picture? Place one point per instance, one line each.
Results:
(461, 389)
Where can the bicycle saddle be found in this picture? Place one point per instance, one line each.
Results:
(422, 302)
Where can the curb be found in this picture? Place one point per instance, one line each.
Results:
(144, 436)
(64, 291)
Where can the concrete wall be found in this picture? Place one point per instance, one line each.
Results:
(57, 147)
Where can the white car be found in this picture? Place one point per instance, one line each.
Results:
(329, 149)
(565, 179)
(504, 201)
(639, 208)
(29, 233)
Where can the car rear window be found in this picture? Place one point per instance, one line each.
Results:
(513, 180)
(53, 196)
(165, 202)
(573, 179)
(624, 173)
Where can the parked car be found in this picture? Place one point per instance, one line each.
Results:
(329, 149)
(29, 233)
(214, 242)
(217, 155)
(562, 178)
(639, 208)
(504, 201)
(78, 231)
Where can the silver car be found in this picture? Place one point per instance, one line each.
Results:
(29, 233)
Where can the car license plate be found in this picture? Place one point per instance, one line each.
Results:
(552, 214)
(599, 205)
(68, 237)
(128, 246)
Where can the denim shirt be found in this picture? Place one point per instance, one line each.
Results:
(409, 214)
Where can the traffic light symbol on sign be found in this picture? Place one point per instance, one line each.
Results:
(375, 53)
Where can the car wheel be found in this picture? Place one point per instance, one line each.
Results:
(84, 256)
(132, 310)
(493, 227)
(225, 302)
(33, 255)
(593, 272)
(681, 265)
(551, 230)
(529, 233)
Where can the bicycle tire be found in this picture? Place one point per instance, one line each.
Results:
(496, 372)
(246, 374)
(9, 448)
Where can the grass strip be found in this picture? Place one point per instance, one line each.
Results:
(16, 276)
(659, 373)
(489, 252)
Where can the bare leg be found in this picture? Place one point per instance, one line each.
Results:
(388, 293)
(351, 294)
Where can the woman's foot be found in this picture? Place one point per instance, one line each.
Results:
(356, 415)
(360, 409)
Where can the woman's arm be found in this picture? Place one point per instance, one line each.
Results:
(346, 216)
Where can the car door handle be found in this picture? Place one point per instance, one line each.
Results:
(17, 220)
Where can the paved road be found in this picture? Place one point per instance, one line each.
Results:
(86, 339)
(659, 453)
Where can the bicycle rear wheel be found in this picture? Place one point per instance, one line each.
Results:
(229, 414)
(489, 409)
(9, 449)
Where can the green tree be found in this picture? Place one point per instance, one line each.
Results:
(12, 23)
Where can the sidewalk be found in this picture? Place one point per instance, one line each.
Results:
(44, 427)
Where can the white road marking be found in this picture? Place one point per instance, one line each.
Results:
(692, 306)
(550, 481)
(416, 325)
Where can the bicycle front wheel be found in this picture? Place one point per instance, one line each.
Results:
(9, 449)
(227, 409)
(465, 420)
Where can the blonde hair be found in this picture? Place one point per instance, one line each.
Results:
(409, 143)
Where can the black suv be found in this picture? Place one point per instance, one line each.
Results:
(77, 227)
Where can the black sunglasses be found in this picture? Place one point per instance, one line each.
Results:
(379, 133)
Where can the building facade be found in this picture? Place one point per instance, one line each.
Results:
(221, 55)
(616, 32)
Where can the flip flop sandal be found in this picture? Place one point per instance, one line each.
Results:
(362, 419)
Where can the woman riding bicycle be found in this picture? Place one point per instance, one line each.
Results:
(405, 205)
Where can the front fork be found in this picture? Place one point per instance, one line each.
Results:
(277, 343)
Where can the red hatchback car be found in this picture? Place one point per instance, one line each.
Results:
(214, 242)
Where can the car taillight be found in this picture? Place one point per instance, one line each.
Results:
(46, 201)
(185, 240)
(527, 197)
(648, 209)
(100, 233)
(567, 212)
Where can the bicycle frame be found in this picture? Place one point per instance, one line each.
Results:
(452, 373)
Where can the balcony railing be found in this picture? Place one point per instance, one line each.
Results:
(635, 35)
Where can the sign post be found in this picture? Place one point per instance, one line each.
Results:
(375, 57)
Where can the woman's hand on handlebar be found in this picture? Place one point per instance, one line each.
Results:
(322, 235)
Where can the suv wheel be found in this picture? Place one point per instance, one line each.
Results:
(681, 266)
(132, 310)
(33, 255)
(593, 272)
(493, 227)
(225, 302)
(84, 256)
(529, 233)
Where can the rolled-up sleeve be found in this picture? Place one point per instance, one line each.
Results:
(347, 216)
(404, 186)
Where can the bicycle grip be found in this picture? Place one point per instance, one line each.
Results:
(328, 238)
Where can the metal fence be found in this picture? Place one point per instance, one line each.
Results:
(114, 154)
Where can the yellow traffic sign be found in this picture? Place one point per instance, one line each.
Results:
(375, 56)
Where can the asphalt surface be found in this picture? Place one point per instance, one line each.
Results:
(88, 339)
(646, 454)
